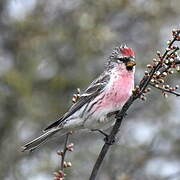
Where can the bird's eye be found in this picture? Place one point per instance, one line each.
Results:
(124, 59)
(120, 60)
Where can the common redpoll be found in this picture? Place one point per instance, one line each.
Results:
(95, 107)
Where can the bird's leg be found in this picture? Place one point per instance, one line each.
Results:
(100, 131)
(106, 139)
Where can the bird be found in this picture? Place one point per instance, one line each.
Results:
(101, 100)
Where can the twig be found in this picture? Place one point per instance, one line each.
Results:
(60, 175)
(63, 154)
(165, 90)
(138, 92)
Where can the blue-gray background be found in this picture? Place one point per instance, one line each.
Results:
(48, 48)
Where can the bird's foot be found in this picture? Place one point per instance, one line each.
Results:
(107, 139)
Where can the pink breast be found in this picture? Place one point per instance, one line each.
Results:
(117, 94)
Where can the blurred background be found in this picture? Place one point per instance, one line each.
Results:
(48, 48)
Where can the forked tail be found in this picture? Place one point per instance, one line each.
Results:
(38, 141)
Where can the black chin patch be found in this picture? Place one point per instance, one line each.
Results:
(129, 68)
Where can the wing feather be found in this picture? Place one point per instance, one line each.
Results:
(95, 88)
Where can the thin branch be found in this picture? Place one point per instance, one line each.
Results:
(60, 175)
(165, 90)
(136, 94)
(64, 152)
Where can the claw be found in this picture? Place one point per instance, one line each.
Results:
(107, 140)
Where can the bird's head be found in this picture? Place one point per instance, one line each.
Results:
(122, 56)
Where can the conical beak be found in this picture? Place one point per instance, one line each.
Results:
(130, 63)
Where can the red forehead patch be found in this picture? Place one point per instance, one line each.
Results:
(127, 52)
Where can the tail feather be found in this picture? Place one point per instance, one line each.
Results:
(53, 125)
(38, 141)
